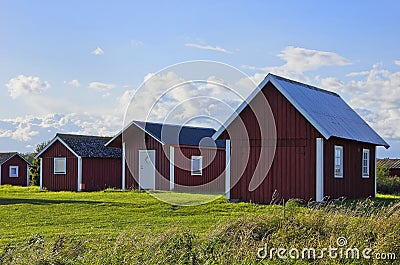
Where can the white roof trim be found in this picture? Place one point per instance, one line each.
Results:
(300, 109)
(242, 106)
(269, 78)
(57, 138)
(23, 158)
(129, 125)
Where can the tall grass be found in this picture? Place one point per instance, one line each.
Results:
(365, 224)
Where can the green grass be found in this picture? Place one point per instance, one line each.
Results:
(115, 227)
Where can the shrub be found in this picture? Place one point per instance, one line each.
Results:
(385, 183)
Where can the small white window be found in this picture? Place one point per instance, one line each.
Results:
(60, 165)
(197, 162)
(13, 171)
(365, 163)
(338, 161)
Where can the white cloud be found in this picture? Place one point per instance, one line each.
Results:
(300, 60)
(168, 97)
(136, 43)
(24, 85)
(358, 73)
(207, 47)
(23, 132)
(375, 96)
(97, 51)
(35, 129)
(74, 83)
(98, 86)
(397, 62)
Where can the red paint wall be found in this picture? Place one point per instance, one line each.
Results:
(212, 179)
(352, 185)
(22, 168)
(394, 172)
(59, 182)
(292, 173)
(136, 140)
(101, 173)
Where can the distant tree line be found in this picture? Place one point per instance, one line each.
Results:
(35, 163)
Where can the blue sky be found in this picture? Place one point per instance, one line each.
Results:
(69, 66)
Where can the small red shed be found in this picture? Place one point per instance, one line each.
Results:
(14, 169)
(319, 147)
(392, 164)
(171, 157)
(79, 163)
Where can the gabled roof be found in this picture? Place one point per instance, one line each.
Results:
(325, 110)
(86, 146)
(388, 162)
(175, 134)
(4, 157)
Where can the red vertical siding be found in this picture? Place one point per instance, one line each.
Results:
(394, 172)
(22, 171)
(352, 185)
(212, 179)
(292, 173)
(136, 140)
(59, 182)
(101, 173)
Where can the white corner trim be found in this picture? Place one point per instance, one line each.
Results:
(228, 169)
(41, 173)
(27, 175)
(319, 181)
(171, 168)
(52, 142)
(123, 167)
(375, 185)
(79, 173)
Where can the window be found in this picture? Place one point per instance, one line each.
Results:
(338, 161)
(13, 171)
(365, 163)
(60, 165)
(197, 162)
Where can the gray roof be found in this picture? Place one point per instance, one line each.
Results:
(90, 146)
(388, 162)
(176, 134)
(4, 157)
(325, 110)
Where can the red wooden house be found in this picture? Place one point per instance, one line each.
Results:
(79, 163)
(320, 148)
(392, 164)
(14, 169)
(171, 157)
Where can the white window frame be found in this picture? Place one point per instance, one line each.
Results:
(340, 149)
(196, 173)
(367, 160)
(65, 163)
(16, 169)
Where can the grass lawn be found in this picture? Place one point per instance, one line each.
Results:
(115, 227)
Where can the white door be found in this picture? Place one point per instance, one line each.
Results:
(147, 171)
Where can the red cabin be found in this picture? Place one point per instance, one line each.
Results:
(171, 157)
(14, 169)
(79, 163)
(308, 143)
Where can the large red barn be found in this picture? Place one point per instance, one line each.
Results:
(318, 146)
(79, 163)
(14, 169)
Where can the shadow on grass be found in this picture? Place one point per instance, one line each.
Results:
(10, 201)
